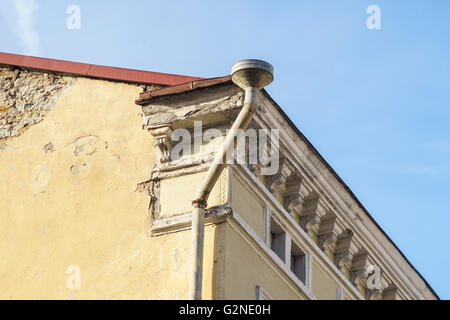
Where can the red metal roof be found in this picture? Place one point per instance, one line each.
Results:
(92, 70)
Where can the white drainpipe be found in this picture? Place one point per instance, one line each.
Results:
(251, 75)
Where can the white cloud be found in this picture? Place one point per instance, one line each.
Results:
(29, 38)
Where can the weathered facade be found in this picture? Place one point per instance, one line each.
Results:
(88, 179)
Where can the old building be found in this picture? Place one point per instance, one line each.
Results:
(96, 191)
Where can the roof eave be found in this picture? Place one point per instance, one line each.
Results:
(92, 70)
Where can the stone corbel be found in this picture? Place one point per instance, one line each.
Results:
(358, 277)
(292, 197)
(327, 236)
(358, 273)
(374, 294)
(327, 240)
(306, 222)
(162, 135)
(273, 182)
(342, 254)
(309, 215)
(390, 293)
(342, 258)
(278, 179)
(291, 201)
(263, 158)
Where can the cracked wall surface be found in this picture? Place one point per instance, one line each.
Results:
(26, 97)
(69, 196)
(211, 105)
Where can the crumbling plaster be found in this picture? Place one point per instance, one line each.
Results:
(26, 97)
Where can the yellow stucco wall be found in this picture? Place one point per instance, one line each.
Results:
(244, 269)
(323, 286)
(246, 203)
(177, 193)
(78, 205)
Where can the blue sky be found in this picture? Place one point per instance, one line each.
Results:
(375, 103)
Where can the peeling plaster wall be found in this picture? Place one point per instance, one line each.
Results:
(69, 196)
(26, 97)
(210, 105)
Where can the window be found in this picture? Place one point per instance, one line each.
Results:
(295, 259)
(298, 262)
(262, 294)
(340, 294)
(277, 240)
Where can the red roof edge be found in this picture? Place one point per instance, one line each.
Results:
(92, 70)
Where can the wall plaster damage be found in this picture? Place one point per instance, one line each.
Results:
(26, 97)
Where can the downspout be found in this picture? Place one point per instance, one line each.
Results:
(250, 75)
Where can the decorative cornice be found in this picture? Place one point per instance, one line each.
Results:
(286, 221)
(351, 213)
(182, 222)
